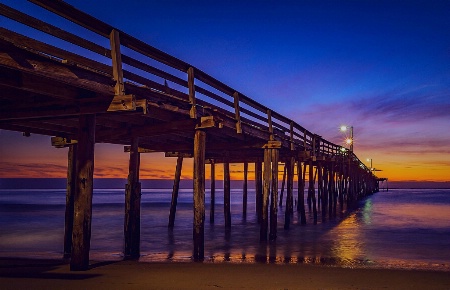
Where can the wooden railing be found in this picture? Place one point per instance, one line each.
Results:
(203, 89)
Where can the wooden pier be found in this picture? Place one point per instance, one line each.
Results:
(160, 104)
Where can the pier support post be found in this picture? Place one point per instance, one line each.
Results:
(199, 195)
(175, 189)
(226, 193)
(258, 189)
(213, 192)
(274, 195)
(265, 197)
(270, 188)
(245, 191)
(290, 188)
(132, 225)
(81, 236)
(283, 183)
(311, 190)
(301, 192)
(70, 193)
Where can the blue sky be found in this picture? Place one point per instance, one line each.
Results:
(381, 66)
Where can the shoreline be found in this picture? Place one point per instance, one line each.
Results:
(22, 273)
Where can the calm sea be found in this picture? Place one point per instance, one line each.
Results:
(402, 228)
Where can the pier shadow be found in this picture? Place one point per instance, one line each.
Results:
(39, 269)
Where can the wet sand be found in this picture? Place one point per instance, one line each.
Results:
(55, 274)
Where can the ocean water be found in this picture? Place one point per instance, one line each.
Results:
(402, 228)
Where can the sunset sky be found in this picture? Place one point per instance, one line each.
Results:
(382, 67)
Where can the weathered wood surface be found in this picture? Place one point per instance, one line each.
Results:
(199, 194)
(81, 235)
(175, 189)
(70, 195)
(133, 205)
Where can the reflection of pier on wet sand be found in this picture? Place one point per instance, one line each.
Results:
(155, 102)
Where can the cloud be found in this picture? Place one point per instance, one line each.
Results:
(32, 170)
(405, 106)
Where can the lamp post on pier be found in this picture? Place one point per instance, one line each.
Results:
(371, 168)
(348, 140)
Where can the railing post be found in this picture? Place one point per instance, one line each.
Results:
(237, 113)
(116, 57)
(269, 122)
(192, 100)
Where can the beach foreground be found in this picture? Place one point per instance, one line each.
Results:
(53, 274)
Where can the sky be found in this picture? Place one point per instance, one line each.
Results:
(382, 67)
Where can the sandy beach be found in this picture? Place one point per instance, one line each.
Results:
(54, 274)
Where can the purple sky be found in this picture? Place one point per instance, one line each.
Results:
(382, 67)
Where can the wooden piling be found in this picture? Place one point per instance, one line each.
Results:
(70, 193)
(311, 191)
(265, 198)
(290, 187)
(81, 235)
(133, 205)
(283, 182)
(213, 192)
(274, 195)
(175, 189)
(245, 190)
(258, 189)
(301, 192)
(226, 194)
(199, 195)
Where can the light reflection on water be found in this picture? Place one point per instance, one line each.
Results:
(398, 229)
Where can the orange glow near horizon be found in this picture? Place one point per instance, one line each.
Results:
(34, 157)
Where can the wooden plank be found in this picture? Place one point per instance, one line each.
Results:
(178, 154)
(61, 142)
(199, 195)
(272, 145)
(39, 68)
(175, 189)
(122, 103)
(70, 58)
(81, 237)
(52, 30)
